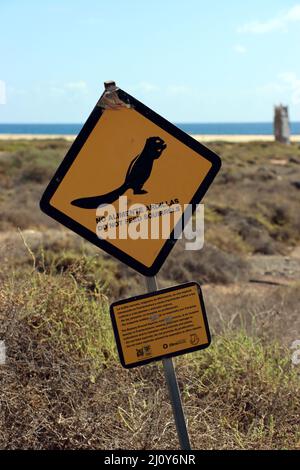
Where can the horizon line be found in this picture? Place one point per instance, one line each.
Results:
(174, 122)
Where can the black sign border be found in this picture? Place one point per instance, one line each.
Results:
(163, 356)
(71, 156)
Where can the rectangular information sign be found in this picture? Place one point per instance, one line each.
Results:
(161, 324)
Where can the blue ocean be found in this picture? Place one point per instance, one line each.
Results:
(235, 128)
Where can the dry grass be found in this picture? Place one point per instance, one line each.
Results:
(61, 390)
(62, 385)
(264, 217)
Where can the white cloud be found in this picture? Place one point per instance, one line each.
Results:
(57, 91)
(178, 90)
(146, 87)
(80, 86)
(240, 49)
(287, 84)
(293, 84)
(272, 87)
(277, 23)
(17, 91)
(2, 92)
(256, 27)
(293, 14)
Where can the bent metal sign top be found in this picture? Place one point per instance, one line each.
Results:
(127, 167)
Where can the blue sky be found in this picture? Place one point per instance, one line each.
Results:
(191, 60)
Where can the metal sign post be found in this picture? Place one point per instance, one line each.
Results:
(174, 392)
(125, 152)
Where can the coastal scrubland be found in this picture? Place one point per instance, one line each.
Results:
(62, 386)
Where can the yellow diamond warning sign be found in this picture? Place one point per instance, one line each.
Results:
(126, 182)
(162, 324)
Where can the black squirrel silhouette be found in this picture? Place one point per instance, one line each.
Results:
(137, 174)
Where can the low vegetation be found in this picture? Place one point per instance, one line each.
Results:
(62, 385)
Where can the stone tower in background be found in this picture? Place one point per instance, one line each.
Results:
(281, 124)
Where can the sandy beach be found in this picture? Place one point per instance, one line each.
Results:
(200, 138)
